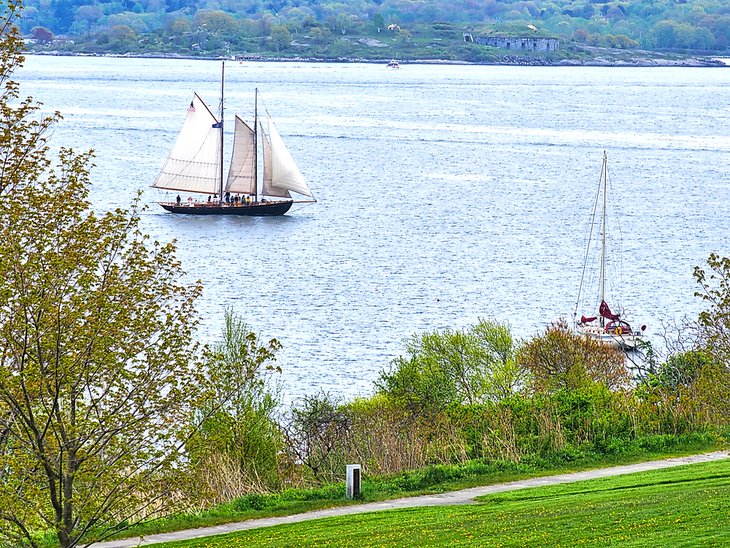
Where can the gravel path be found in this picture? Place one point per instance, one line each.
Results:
(465, 496)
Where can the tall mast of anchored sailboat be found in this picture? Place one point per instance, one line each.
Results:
(255, 145)
(603, 235)
(220, 127)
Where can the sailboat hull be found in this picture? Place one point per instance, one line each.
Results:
(261, 209)
(625, 341)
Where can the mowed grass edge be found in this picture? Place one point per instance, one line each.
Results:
(682, 506)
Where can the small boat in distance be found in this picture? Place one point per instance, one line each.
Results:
(611, 329)
(195, 165)
(393, 64)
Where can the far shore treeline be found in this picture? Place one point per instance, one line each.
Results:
(112, 416)
(606, 32)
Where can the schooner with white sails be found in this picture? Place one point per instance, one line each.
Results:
(195, 166)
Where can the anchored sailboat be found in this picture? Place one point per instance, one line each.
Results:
(611, 328)
(195, 165)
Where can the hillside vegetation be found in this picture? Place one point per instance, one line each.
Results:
(373, 29)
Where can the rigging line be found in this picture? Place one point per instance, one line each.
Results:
(262, 107)
(618, 254)
(588, 247)
(616, 280)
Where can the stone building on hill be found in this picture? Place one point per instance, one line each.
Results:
(516, 43)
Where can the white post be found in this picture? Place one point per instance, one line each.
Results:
(354, 480)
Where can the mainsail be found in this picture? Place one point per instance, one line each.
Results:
(194, 162)
(242, 173)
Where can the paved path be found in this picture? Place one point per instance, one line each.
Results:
(465, 496)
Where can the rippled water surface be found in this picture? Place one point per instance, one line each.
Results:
(446, 193)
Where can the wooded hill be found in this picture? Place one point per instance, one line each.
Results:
(375, 29)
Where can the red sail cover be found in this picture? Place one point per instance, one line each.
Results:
(583, 319)
(604, 311)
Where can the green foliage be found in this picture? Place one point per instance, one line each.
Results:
(280, 38)
(378, 22)
(442, 368)
(561, 359)
(316, 433)
(568, 423)
(235, 450)
(680, 370)
(673, 35)
(663, 443)
(97, 373)
(715, 322)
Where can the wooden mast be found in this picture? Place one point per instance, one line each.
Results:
(220, 127)
(255, 146)
(603, 236)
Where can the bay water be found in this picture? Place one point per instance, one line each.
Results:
(446, 194)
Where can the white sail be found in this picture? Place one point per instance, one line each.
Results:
(268, 189)
(285, 174)
(194, 162)
(242, 173)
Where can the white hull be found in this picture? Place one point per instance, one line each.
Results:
(624, 341)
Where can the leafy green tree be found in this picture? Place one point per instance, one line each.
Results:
(719, 25)
(215, 21)
(317, 432)
(280, 38)
(122, 38)
(88, 16)
(501, 375)
(97, 374)
(42, 34)
(180, 30)
(560, 359)
(680, 370)
(471, 366)
(714, 323)
(235, 451)
(63, 14)
(299, 18)
(378, 22)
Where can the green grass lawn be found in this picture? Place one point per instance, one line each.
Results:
(683, 506)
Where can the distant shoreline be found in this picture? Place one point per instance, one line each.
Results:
(638, 61)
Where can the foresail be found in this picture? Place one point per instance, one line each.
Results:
(242, 173)
(267, 185)
(194, 162)
(284, 171)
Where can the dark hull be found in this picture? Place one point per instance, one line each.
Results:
(261, 209)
